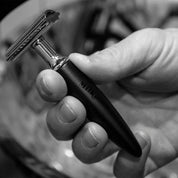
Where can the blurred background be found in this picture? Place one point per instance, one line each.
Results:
(26, 147)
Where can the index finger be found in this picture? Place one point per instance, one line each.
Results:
(51, 85)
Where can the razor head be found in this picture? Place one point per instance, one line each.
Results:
(37, 29)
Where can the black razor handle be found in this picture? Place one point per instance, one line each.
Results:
(99, 109)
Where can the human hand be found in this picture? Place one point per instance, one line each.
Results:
(145, 68)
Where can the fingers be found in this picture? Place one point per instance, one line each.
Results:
(91, 144)
(127, 166)
(68, 121)
(89, 141)
(51, 85)
(130, 56)
(66, 118)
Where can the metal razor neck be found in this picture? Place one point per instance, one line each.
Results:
(46, 51)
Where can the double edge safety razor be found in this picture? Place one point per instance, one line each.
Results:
(99, 109)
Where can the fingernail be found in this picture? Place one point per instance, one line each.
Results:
(66, 113)
(89, 139)
(141, 139)
(45, 87)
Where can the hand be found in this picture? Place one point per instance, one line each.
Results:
(146, 70)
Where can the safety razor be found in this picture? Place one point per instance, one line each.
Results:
(99, 108)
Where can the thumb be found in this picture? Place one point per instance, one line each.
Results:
(127, 166)
(131, 55)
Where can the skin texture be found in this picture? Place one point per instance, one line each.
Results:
(140, 76)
